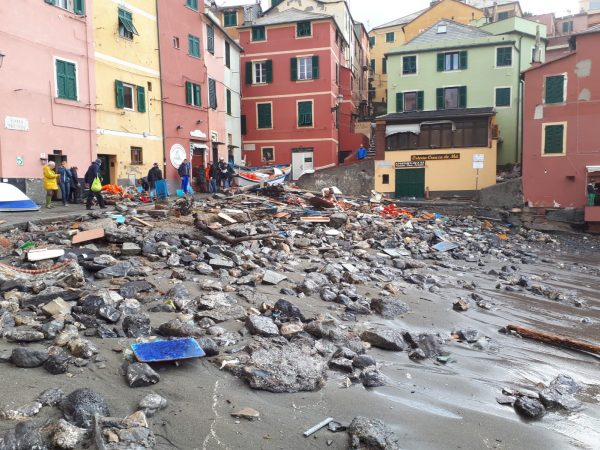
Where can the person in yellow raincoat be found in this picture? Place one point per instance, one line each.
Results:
(50, 182)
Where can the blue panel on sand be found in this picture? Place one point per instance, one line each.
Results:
(173, 350)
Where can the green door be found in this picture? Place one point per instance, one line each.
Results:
(410, 183)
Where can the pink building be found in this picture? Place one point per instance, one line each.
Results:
(47, 87)
(561, 155)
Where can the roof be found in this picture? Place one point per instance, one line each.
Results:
(489, 3)
(594, 29)
(287, 16)
(401, 21)
(454, 31)
(443, 114)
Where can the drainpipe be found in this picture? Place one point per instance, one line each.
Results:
(91, 95)
(519, 138)
(162, 103)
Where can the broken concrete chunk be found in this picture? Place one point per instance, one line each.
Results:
(247, 413)
(130, 249)
(273, 278)
(141, 374)
(67, 436)
(371, 434)
(57, 307)
(262, 325)
(384, 338)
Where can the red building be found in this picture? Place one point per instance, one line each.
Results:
(292, 90)
(184, 83)
(561, 154)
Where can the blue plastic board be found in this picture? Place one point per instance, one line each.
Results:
(172, 350)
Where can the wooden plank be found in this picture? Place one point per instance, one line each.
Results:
(226, 217)
(41, 254)
(86, 236)
(315, 219)
(555, 339)
(143, 222)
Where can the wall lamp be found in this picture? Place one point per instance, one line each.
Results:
(339, 99)
(2, 55)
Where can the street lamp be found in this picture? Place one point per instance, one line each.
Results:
(1, 58)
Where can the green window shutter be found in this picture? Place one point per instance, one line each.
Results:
(373, 65)
(462, 97)
(294, 68)
(188, 93)
(463, 60)
(248, 73)
(555, 89)
(503, 97)
(71, 80)
(119, 94)
(554, 138)
(420, 100)
(264, 115)
(212, 93)
(227, 54)
(440, 62)
(228, 100)
(141, 99)
(439, 98)
(399, 102)
(197, 95)
(372, 41)
(258, 33)
(384, 66)
(192, 4)
(50, 2)
(79, 7)
(504, 56)
(269, 68)
(210, 39)
(315, 67)
(305, 114)
(61, 79)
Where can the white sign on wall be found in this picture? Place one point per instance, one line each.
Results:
(16, 123)
(177, 155)
(478, 160)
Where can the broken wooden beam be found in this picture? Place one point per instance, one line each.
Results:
(231, 240)
(555, 339)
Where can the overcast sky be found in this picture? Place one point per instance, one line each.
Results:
(375, 12)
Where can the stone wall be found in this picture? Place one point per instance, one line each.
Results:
(505, 195)
(354, 179)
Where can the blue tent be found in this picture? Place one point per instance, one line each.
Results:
(12, 199)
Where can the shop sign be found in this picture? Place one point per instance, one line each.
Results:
(409, 164)
(16, 123)
(436, 157)
(177, 155)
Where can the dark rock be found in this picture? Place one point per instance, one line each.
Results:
(430, 344)
(80, 406)
(11, 285)
(372, 377)
(91, 305)
(25, 436)
(384, 338)
(141, 374)
(137, 325)
(132, 288)
(7, 323)
(468, 335)
(109, 313)
(529, 408)
(52, 328)
(51, 397)
(338, 220)
(209, 346)
(362, 361)
(287, 310)
(119, 270)
(371, 434)
(560, 394)
(105, 332)
(28, 357)
(344, 353)
(24, 334)
(389, 308)
(179, 328)
(57, 363)
(342, 364)
(417, 355)
(42, 299)
(261, 325)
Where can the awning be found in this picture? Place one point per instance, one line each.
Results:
(409, 128)
(127, 22)
(592, 169)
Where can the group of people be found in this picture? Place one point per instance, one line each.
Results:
(208, 179)
(593, 193)
(64, 179)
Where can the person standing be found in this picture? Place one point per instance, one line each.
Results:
(50, 182)
(64, 182)
(154, 175)
(361, 153)
(92, 173)
(214, 177)
(184, 172)
(223, 180)
(201, 179)
(591, 192)
(75, 187)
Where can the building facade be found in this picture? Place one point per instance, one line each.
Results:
(561, 154)
(47, 90)
(232, 16)
(454, 66)
(128, 89)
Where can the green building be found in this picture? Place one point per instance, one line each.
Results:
(455, 66)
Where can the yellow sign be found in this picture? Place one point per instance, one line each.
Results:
(437, 157)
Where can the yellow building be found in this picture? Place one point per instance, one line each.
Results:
(128, 97)
(392, 35)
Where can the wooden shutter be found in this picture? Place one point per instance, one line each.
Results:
(269, 69)
(197, 101)
(244, 125)
(462, 97)
(264, 115)
(294, 68)
(440, 62)
(119, 94)
(71, 81)
(420, 101)
(141, 99)
(61, 79)
(315, 67)
(227, 54)
(210, 39)
(228, 100)
(305, 114)
(79, 7)
(555, 89)
(188, 92)
(248, 73)
(212, 93)
(554, 138)
(463, 60)
(384, 65)
(399, 102)
(439, 98)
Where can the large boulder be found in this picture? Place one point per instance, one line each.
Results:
(388, 307)
(28, 357)
(25, 436)
(80, 406)
(384, 338)
(371, 434)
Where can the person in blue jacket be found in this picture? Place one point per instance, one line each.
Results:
(64, 182)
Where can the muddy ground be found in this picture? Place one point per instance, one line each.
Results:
(428, 404)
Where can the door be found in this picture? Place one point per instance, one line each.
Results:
(302, 162)
(197, 151)
(105, 169)
(410, 183)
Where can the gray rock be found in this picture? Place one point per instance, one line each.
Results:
(141, 374)
(223, 313)
(7, 322)
(67, 436)
(82, 348)
(384, 338)
(28, 357)
(273, 278)
(179, 328)
(560, 394)
(338, 220)
(24, 334)
(371, 434)
(362, 361)
(137, 325)
(119, 270)
(51, 397)
(209, 346)
(342, 364)
(132, 288)
(58, 363)
(469, 335)
(429, 344)
(80, 406)
(372, 377)
(389, 308)
(109, 314)
(152, 403)
(130, 249)
(25, 436)
(261, 325)
(221, 263)
(287, 310)
(529, 408)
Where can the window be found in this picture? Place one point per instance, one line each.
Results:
(390, 37)
(410, 101)
(305, 114)
(385, 179)
(554, 139)
(503, 15)
(267, 154)
(176, 42)
(447, 62)
(210, 39)
(555, 89)
(66, 80)
(244, 125)
(126, 27)
(567, 27)
(373, 65)
(137, 156)
(305, 68)
(466, 133)
(212, 93)
(451, 98)
(442, 29)
(124, 95)
(74, 6)
(264, 115)
(193, 94)
(503, 97)
(227, 54)
(384, 66)
(193, 46)
(230, 18)
(409, 65)
(259, 72)
(303, 29)
(192, 4)
(504, 57)
(371, 41)
(259, 34)
(228, 101)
